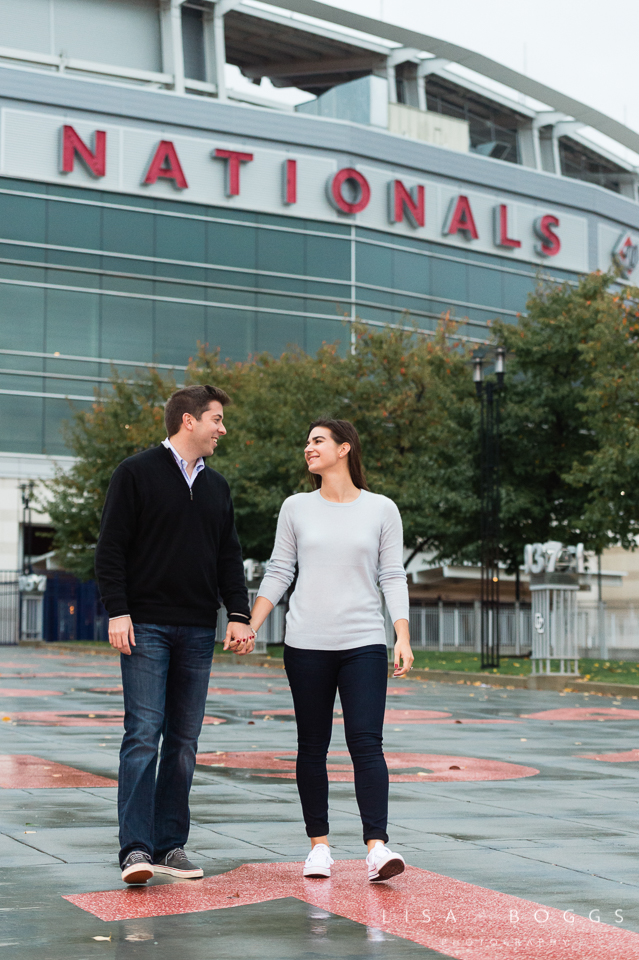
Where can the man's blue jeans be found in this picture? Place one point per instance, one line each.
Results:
(165, 682)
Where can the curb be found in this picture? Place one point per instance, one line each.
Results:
(556, 683)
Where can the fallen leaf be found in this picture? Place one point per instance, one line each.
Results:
(457, 721)
(232, 896)
(454, 767)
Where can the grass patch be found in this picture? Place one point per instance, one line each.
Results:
(467, 663)
(603, 671)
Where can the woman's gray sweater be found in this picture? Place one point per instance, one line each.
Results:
(344, 551)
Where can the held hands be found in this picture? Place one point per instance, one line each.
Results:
(403, 654)
(240, 638)
(121, 635)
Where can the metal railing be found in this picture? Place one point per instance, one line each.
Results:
(9, 607)
(458, 627)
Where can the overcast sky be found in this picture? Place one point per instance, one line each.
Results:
(582, 47)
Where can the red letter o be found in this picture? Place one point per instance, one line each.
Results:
(361, 191)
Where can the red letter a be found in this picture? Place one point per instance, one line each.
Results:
(165, 164)
(71, 144)
(460, 218)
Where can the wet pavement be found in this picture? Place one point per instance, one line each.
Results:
(516, 810)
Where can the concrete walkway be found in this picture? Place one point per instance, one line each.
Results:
(519, 824)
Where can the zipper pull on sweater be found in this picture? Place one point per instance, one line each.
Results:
(191, 492)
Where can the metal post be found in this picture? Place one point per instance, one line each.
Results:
(440, 625)
(26, 489)
(601, 613)
(489, 394)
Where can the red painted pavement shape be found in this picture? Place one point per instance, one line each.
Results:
(103, 718)
(55, 673)
(243, 673)
(22, 772)
(433, 767)
(584, 713)
(117, 689)
(7, 692)
(455, 918)
(629, 756)
(395, 716)
(226, 691)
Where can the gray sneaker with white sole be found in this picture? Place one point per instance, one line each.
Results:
(177, 864)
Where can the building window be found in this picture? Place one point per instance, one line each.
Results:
(492, 128)
(193, 43)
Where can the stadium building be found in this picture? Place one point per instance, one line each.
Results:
(252, 176)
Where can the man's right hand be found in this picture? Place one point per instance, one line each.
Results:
(121, 635)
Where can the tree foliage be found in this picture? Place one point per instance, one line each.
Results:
(410, 398)
(131, 420)
(569, 417)
(569, 429)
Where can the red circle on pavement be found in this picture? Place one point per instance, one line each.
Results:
(584, 713)
(10, 692)
(101, 718)
(415, 767)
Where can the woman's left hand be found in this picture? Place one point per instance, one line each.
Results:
(403, 654)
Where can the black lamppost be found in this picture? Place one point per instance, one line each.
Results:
(489, 393)
(26, 489)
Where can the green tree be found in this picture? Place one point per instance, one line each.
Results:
(116, 427)
(410, 397)
(571, 376)
(411, 400)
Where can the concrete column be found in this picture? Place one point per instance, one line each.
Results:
(171, 35)
(477, 626)
(219, 44)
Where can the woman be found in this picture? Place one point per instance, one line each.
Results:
(345, 541)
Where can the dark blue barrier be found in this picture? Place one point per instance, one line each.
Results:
(73, 609)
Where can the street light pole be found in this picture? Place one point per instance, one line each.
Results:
(26, 489)
(488, 393)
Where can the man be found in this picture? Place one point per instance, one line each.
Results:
(167, 549)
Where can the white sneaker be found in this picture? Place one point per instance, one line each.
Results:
(383, 864)
(318, 862)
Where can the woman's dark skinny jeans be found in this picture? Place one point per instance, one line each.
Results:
(360, 676)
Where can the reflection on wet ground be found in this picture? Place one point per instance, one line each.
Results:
(516, 811)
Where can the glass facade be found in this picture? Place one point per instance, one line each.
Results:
(87, 278)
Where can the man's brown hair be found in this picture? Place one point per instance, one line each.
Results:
(194, 400)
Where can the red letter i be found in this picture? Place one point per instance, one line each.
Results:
(289, 181)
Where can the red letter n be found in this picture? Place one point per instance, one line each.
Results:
(95, 161)
(233, 161)
(409, 203)
(460, 219)
(165, 164)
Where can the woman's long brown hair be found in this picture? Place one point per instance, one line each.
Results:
(343, 431)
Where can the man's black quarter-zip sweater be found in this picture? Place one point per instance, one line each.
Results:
(166, 552)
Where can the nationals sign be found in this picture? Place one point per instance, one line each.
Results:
(282, 179)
